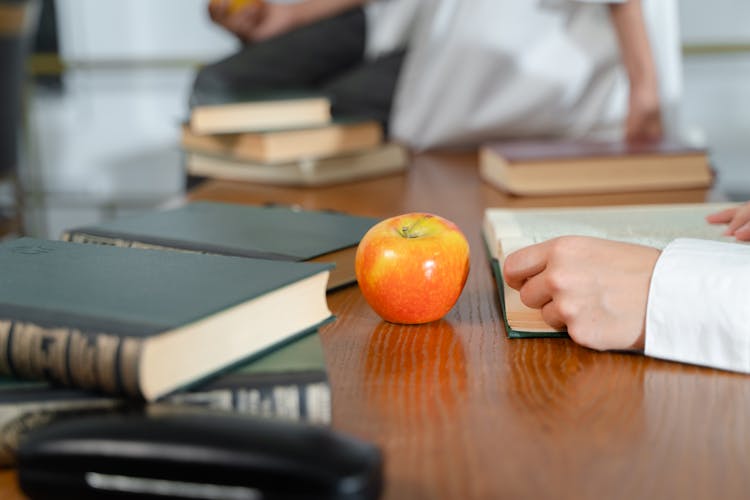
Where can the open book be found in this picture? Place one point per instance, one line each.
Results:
(507, 230)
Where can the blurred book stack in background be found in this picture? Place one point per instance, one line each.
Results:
(284, 139)
(567, 167)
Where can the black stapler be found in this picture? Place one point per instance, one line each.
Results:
(196, 456)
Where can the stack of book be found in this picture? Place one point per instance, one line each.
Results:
(205, 306)
(284, 139)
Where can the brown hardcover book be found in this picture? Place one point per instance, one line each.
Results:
(279, 146)
(382, 160)
(542, 168)
(219, 114)
(506, 230)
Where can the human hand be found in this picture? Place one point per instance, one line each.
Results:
(738, 219)
(644, 120)
(276, 19)
(256, 20)
(596, 288)
(240, 20)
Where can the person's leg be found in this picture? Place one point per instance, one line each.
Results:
(296, 60)
(367, 90)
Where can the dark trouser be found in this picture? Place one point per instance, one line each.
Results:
(327, 57)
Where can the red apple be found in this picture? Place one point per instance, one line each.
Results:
(411, 268)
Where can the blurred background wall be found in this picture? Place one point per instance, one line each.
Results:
(113, 77)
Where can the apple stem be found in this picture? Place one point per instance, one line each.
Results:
(409, 231)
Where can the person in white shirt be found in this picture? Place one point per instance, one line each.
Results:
(485, 70)
(690, 302)
(456, 72)
(345, 49)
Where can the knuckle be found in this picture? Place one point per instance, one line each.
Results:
(564, 246)
(555, 281)
(568, 310)
(526, 296)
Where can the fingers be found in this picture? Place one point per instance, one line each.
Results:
(551, 315)
(218, 10)
(536, 292)
(644, 130)
(742, 233)
(525, 263)
(741, 217)
(240, 21)
(722, 217)
(737, 220)
(244, 22)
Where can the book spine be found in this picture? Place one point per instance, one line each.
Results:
(307, 402)
(119, 242)
(70, 357)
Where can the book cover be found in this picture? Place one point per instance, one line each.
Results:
(144, 322)
(267, 232)
(288, 383)
(544, 168)
(387, 159)
(538, 150)
(507, 230)
(287, 145)
(228, 112)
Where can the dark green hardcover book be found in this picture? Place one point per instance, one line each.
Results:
(290, 383)
(145, 322)
(266, 232)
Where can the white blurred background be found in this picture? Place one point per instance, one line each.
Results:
(105, 142)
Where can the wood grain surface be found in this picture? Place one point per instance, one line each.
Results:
(461, 411)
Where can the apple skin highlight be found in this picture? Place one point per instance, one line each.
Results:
(412, 268)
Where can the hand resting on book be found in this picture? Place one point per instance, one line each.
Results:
(596, 288)
(613, 295)
(738, 220)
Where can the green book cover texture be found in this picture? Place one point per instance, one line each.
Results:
(125, 291)
(241, 230)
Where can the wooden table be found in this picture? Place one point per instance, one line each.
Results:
(461, 411)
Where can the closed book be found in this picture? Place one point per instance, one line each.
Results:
(268, 232)
(541, 168)
(507, 230)
(287, 145)
(143, 322)
(289, 383)
(386, 159)
(221, 113)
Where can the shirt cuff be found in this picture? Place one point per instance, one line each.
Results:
(699, 305)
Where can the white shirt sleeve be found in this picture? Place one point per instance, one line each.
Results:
(699, 305)
(558, 3)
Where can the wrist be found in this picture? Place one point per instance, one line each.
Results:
(643, 76)
(302, 13)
